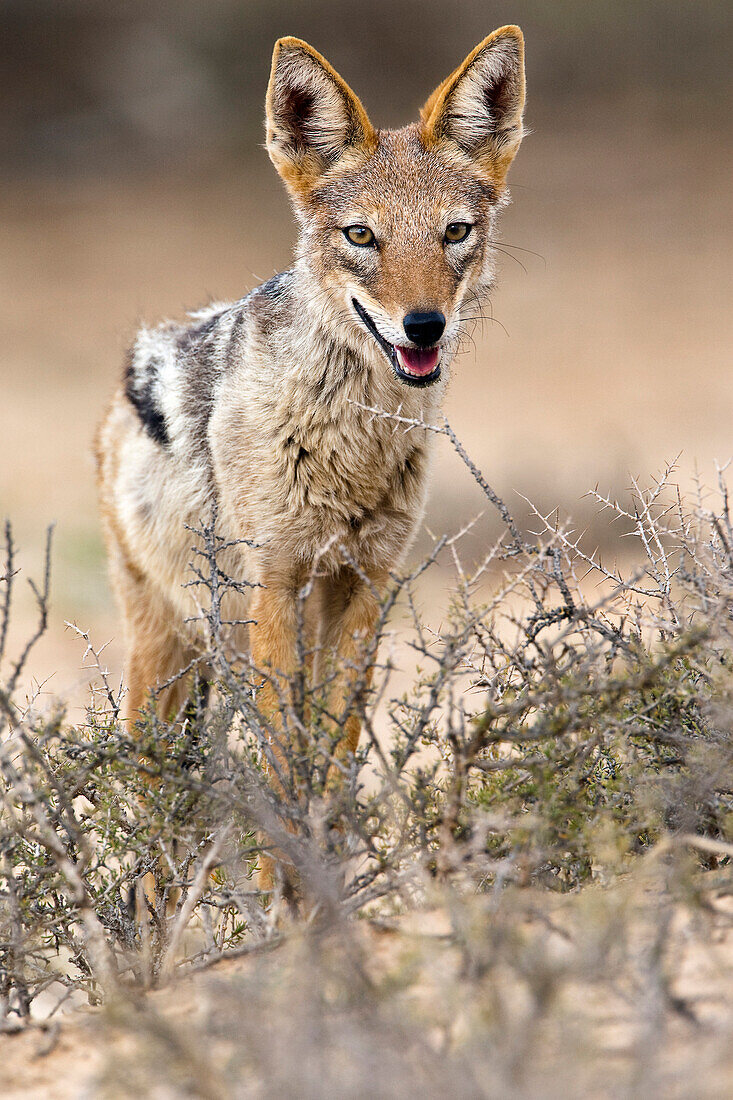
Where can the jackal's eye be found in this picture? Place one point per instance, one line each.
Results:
(457, 231)
(360, 235)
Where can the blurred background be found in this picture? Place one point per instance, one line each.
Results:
(134, 186)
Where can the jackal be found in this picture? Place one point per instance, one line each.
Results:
(260, 406)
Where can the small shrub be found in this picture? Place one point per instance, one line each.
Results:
(568, 722)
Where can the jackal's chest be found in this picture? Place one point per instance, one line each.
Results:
(357, 489)
(305, 475)
(315, 486)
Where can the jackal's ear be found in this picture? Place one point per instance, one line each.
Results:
(479, 106)
(313, 117)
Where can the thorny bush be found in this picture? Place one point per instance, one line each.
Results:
(565, 717)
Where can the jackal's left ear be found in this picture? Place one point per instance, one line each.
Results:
(313, 117)
(479, 106)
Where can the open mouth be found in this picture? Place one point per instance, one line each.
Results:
(414, 366)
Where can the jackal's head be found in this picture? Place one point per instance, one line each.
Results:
(396, 224)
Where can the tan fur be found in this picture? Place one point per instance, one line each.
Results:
(259, 406)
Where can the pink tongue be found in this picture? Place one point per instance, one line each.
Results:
(419, 361)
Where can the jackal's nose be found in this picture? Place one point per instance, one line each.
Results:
(424, 329)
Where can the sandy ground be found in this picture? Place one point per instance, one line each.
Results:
(605, 1020)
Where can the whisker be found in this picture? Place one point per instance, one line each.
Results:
(498, 248)
(520, 248)
(475, 305)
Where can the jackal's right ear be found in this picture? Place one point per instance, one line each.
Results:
(479, 106)
(313, 117)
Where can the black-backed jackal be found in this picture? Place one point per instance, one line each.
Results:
(259, 406)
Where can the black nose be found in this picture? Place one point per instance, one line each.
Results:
(424, 329)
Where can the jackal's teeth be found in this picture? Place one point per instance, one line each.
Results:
(417, 362)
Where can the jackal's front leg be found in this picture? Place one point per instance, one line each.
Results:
(274, 648)
(351, 612)
(348, 612)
